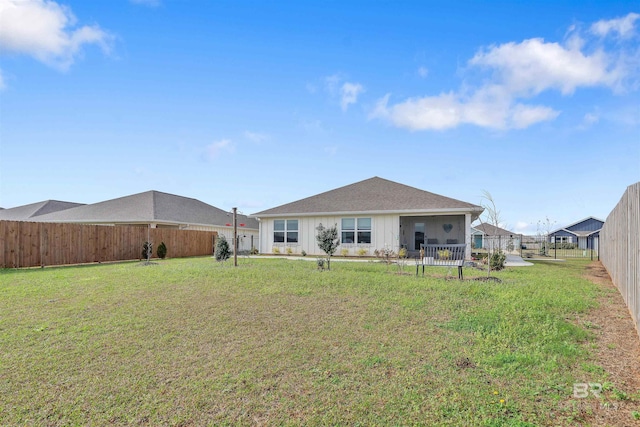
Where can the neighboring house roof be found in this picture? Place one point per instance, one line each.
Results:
(373, 195)
(579, 230)
(27, 212)
(492, 230)
(149, 207)
(571, 226)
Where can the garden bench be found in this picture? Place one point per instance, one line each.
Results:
(451, 255)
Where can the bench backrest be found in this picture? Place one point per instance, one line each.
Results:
(447, 255)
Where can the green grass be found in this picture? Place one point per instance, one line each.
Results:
(193, 342)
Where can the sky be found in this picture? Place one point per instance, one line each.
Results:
(253, 104)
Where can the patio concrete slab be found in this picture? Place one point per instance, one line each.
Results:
(516, 261)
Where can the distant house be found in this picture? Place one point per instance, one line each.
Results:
(488, 236)
(159, 210)
(372, 214)
(584, 233)
(33, 210)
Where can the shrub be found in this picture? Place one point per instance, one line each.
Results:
(254, 251)
(222, 252)
(387, 255)
(362, 251)
(344, 251)
(276, 250)
(497, 260)
(162, 250)
(320, 262)
(147, 250)
(303, 253)
(444, 254)
(403, 253)
(289, 251)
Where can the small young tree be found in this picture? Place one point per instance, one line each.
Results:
(147, 250)
(544, 231)
(222, 252)
(328, 241)
(495, 256)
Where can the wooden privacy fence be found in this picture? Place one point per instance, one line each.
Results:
(620, 249)
(33, 244)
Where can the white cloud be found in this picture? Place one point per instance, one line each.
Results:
(521, 71)
(256, 137)
(215, 150)
(336, 86)
(589, 119)
(349, 94)
(522, 116)
(449, 110)
(526, 228)
(431, 112)
(624, 27)
(45, 30)
(534, 66)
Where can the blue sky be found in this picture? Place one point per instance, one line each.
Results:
(254, 104)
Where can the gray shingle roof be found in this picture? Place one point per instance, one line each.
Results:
(30, 211)
(149, 207)
(492, 230)
(371, 195)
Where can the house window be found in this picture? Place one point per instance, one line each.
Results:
(562, 239)
(356, 230)
(285, 230)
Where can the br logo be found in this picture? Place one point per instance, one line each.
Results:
(582, 390)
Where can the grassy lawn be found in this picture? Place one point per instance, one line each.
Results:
(192, 342)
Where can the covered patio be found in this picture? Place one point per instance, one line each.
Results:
(434, 230)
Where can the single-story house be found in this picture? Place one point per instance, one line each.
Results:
(30, 211)
(160, 210)
(372, 214)
(487, 236)
(584, 233)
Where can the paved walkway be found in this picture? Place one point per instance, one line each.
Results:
(308, 258)
(516, 261)
(512, 260)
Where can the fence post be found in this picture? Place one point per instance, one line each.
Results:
(235, 237)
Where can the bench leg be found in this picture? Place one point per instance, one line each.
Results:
(460, 275)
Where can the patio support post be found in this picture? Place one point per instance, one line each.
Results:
(467, 236)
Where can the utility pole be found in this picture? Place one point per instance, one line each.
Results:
(235, 237)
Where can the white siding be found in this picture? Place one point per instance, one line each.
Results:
(384, 232)
(243, 233)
